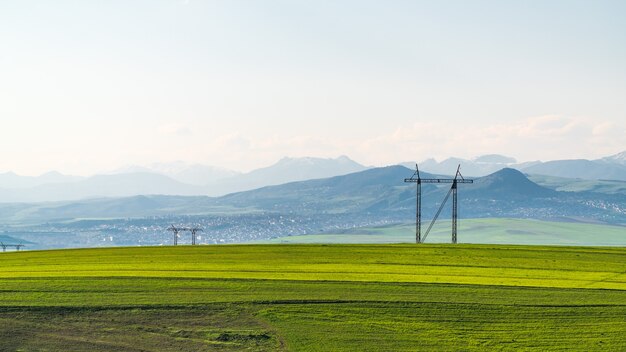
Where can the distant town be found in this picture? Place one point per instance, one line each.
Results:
(152, 231)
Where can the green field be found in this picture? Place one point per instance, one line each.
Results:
(489, 230)
(580, 185)
(314, 298)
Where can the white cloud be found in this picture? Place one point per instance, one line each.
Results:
(243, 153)
(545, 137)
(175, 129)
(232, 141)
(535, 138)
(542, 137)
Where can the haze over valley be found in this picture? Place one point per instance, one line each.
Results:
(300, 196)
(179, 178)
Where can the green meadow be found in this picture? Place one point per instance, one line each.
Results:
(314, 298)
(487, 230)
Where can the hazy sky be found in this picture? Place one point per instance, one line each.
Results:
(88, 86)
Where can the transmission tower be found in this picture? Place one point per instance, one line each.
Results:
(175, 230)
(193, 231)
(16, 246)
(193, 234)
(418, 203)
(458, 178)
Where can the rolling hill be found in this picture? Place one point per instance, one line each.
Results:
(584, 169)
(484, 230)
(564, 184)
(314, 298)
(284, 171)
(477, 167)
(377, 193)
(608, 168)
(11, 180)
(181, 179)
(193, 174)
(176, 179)
(120, 185)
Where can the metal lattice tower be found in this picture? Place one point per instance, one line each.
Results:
(175, 230)
(16, 246)
(458, 178)
(193, 234)
(194, 230)
(418, 203)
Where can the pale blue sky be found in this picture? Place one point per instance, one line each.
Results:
(87, 86)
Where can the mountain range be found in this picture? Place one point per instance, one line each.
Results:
(380, 193)
(601, 169)
(373, 194)
(187, 180)
(609, 168)
(11, 180)
(192, 174)
(168, 179)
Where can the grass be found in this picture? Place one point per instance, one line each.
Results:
(314, 298)
(579, 185)
(489, 230)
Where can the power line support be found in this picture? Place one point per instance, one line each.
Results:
(194, 230)
(454, 211)
(416, 178)
(418, 213)
(175, 230)
(16, 246)
(418, 203)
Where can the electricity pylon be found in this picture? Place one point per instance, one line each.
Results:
(458, 178)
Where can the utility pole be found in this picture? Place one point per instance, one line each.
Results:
(418, 203)
(455, 203)
(193, 234)
(193, 231)
(17, 246)
(175, 230)
(458, 178)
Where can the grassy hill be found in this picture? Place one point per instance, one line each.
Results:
(314, 298)
(378, 193)
(490, 230)
(579, 168)
(563, 184)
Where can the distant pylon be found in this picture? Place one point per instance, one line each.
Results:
(458, 178)
(193, 230)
